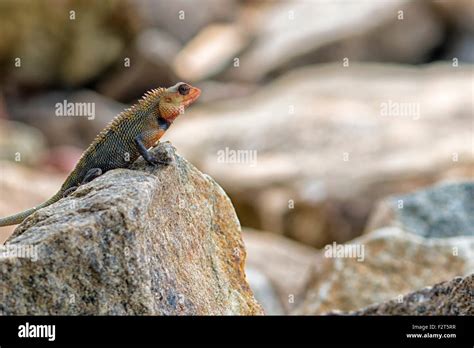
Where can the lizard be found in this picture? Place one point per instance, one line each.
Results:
(127, 137)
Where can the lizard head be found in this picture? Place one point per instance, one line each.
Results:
(176, 98)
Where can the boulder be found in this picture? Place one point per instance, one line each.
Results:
(453, 297)
(210, 51)
(149, 62)
(445, 210)
(183, 19)
(296, 33)
(459, 12)
(20, 143)
(70, 44)
(49, 112)
(264, 291)
(285, 264)
(156, 241)
(393, 263)
(309, 155)
(458, 16)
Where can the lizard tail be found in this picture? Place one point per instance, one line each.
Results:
(18, 218)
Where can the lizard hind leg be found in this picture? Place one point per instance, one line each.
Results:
(69, 191)
(91, 175)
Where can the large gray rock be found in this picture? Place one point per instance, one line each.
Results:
(454, 297)
(445, 210)
(163, 241)
(390, 263)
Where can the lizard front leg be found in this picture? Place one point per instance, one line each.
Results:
(153, 160)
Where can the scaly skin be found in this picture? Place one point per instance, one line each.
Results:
(126, 138)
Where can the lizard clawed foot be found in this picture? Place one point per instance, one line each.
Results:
(69, 191)
(91, 175)
(159, 157)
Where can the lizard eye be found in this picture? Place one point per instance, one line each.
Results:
(183, 89)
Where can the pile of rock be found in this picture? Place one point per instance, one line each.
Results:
(167, 241)
(433, 242)
(309, 156)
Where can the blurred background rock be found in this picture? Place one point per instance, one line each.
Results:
(305, 84)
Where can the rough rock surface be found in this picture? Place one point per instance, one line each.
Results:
(394, 263)
(325, 154)
(454, 297)
(444, 210)
(146, 241)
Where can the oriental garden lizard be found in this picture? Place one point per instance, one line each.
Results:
(126, 138)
